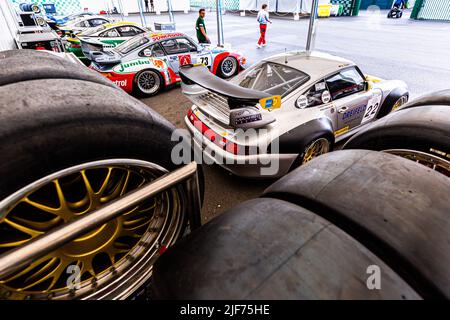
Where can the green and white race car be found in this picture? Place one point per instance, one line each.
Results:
(102, 38)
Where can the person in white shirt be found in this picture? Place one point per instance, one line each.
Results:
(263, 19)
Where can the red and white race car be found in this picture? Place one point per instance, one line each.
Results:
(148, 62)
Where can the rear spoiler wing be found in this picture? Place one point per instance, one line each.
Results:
(237, 96)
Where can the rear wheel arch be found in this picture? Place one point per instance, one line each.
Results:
(297, 139)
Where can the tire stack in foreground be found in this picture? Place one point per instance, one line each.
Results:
(71, 142)
(351, 224)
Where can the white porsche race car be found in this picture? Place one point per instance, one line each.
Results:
(283, 111)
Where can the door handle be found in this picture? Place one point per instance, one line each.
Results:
(343, 109)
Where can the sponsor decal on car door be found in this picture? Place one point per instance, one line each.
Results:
(184, 59)
(351, 109)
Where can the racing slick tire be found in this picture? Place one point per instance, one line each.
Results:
(420, 134)
(271, 249)
(435, 98)
(69, 146)
(44, 66)
(148, 82)
(25, 54)
(397, 209)
(228, 67)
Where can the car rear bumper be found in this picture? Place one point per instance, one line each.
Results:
(252, 166)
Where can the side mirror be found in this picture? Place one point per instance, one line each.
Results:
(368, 85)
(147, 52)
(302, 102)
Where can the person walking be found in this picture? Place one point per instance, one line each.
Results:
(152, 6)
(146, 5)
(200, 27)
(263, 19)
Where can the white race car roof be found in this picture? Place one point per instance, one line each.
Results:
(80, 19)
(317, 65)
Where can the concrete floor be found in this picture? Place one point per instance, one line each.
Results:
(417, 52)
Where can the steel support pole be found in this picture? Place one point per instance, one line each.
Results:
(220, 38)
(141, 14)
(121, 9)
(15, 259)
(169, 8)
(312, 27)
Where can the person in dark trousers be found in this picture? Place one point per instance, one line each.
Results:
(263, 19)
(146, 5)
(200, 27)
(152, 7)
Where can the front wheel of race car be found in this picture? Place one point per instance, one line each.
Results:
(228, 67)
(67, 154)
(148, 82)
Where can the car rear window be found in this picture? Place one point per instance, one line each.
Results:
(132, 44)
(91, 31)
(274, 78)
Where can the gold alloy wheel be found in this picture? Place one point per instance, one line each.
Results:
(109, 262)
(401, 101)
(435, 163)
(315, 149)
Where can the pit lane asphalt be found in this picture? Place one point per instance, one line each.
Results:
(222, 189)
(409, 50)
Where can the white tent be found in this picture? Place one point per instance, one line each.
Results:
(301, 6)
(131, 6)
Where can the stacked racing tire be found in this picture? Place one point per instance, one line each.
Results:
(352, 224)
(71, 142)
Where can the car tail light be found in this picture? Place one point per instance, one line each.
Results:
(217, 139)
(40, 48)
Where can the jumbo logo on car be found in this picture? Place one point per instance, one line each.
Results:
(121, 68)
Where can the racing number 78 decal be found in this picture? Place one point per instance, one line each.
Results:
(372, 107)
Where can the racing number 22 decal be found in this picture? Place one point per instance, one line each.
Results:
(372, 108)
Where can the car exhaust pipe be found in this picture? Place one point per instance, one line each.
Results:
(13, 260)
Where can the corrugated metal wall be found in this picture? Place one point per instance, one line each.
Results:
(432, 10)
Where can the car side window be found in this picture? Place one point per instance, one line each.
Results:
(155, 49)
(177, 46)
(82, 24)
(97, 22)
(345, 83)
(128, 31)
(186, 45)
(318, 94)
(111, 33)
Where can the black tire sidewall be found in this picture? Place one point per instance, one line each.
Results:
(35, 145)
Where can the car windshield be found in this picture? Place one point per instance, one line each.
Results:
(91, 31)
(274, 78)
(132, 44)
